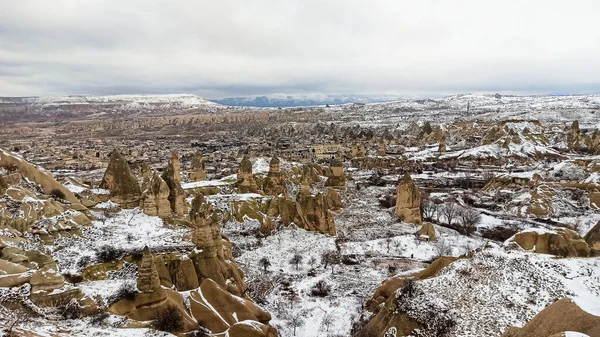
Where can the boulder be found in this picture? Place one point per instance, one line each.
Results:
(560, 316)
(408, 201)
(121, 182)
(427, 232)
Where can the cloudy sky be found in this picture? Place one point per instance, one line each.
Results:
(219, 48)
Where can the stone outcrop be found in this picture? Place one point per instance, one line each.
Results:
(198, 167)
(312, 211)
(220, 311)
(3, 185)
(34, 174)
(593, 238)
(337, 179)
(212, 250)
(121, 182)
(172, 176)
(273, 183)
(12, 274)
(560, 242)
(146, 175)
(560, 316)
(408, 201)
(155, 200)
(245, 180)
(427, 232)
(148, 280)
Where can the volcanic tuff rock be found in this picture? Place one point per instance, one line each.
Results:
(34, 174)
(148, 280)
(121, 182)
(245, 181)
(560, 316)
(313, 212)
(172, 177)
(273, 183)
(337, 179)
(427, 232)
(198, 167)
(408, 201)
(559, 242)
(155, 200)
(593, 238)
(212, 250)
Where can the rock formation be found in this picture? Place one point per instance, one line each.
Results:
(3, 185)
(148, 280)
(198, 167)
(172, 176)
(560, 242)
(273, 183)
(155, 200)
(381, 151)
(408, 201)
(559, 317)
(120, 181)
(245, 181)
(210, 255)
(427, 232)
(312, 212)
(337, 179)
(34, 174)
(146, 175)
(593, 238)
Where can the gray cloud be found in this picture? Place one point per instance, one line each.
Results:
(222, 48)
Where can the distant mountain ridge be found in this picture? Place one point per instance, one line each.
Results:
(282, 100)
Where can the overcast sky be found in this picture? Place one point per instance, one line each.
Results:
(221, 48)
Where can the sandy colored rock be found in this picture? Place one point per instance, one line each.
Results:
(148, 280)
(273, 183)
(46, 279)
(560, 316)
(198, 167)
(245, 180)
(12, 274)
(337, 179)
(593, 238)
(427, 232)
(155, 200)
(560, 242)
(312, 213)
(218, 309)
(3, 185)
(408, 201)
(34, 174)
(121, 182)
(172, 176)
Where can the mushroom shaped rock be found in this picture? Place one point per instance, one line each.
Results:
(245, 180)
(34, 174)
(121, 182)
(219, 310)
(408, 201)
(273, 183)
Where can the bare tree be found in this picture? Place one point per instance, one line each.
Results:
(295, 322)
(265, 263)
(469, 218)
(388, 242)
(450, 211)
(312, 261)
(429, 209)
(327, 322)
(296, 260)
(330, 258)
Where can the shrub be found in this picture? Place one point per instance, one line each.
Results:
(71, 310)
(168, 319)
(99, 319)
(84, 261)
(107, 253)
(321, 289)
(127, 290)
(58, 194)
